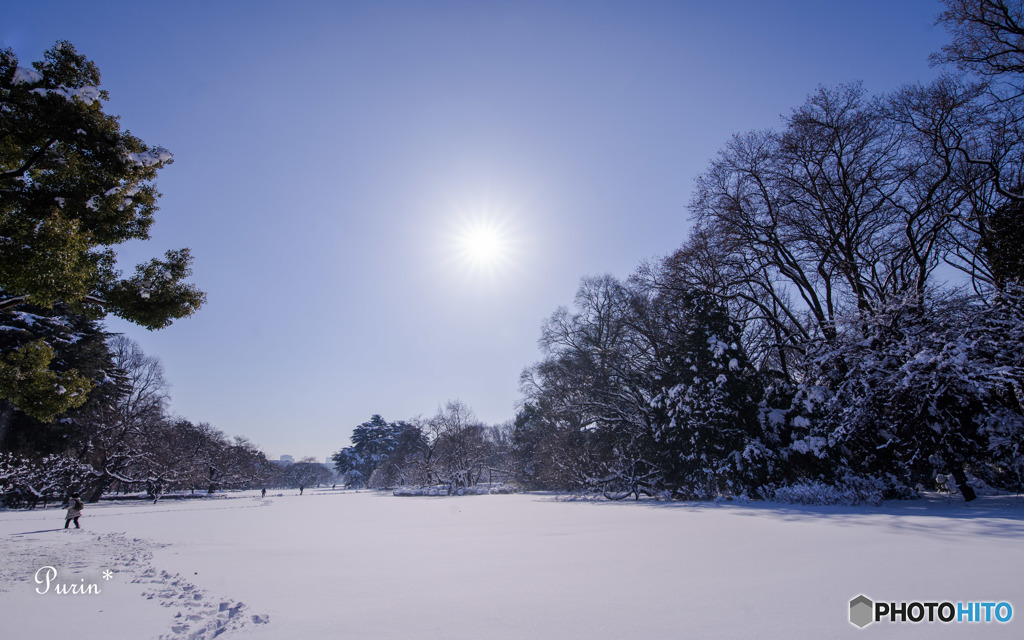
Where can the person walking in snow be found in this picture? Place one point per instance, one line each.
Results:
(264, 494)
(75, 506)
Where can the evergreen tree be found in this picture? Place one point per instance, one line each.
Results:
(372, 443)
(79, 365)
(1004, 243)
(705, 401)
(73, 185)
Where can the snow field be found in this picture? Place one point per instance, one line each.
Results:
(137, 601)
(368, 565)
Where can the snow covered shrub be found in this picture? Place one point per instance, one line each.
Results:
(384, 477)
(503, 489)
(927, 386)
(817, 492)
(24, 481)
(408, 491)
(791, 417)
(948, 484)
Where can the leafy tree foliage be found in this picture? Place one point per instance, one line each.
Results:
(78, 362)
(73, 185)
(407, 462)
(1004, 244)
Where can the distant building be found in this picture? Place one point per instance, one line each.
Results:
(286, 460)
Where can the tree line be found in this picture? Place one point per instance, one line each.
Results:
(844, 322)
(124, 437)
(452, 449)
(844, 318)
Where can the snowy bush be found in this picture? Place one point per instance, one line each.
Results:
(479, 490)
(948, 484)
(503, 489)
(924, 385)
(817, 492)
(421, 491)
(24, 481)
(408, 491)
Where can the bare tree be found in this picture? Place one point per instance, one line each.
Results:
(988, 41)
(851, 205)
(457, 440)
(988, 37)
(125, 434)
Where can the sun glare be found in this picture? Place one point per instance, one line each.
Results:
(481, 244)
(483, 247)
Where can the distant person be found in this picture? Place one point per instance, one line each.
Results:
(75, 506)
(333, 487)
(300, 489)
(263, 494)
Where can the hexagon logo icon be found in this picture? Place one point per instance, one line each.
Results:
(861, 609)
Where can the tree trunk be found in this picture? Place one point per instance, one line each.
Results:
(6, 413)
(961, 483)
(98, 489)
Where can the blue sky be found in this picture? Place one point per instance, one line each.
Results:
(329, 156)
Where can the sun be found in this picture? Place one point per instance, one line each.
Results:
(483, 246)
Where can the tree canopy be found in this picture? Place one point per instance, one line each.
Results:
(74, 185)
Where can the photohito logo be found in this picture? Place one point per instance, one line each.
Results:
(863, 611)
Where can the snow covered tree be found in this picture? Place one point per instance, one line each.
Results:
(406, 464)
(927, 387)
(705, 419)
(373, 442)
(305, 473)
(73, 185)
(242, 465)
(853, 203)
(78, 364)
(459, 447)
(548, 452)
(798, 337)
(654, 388)
(202, 457)
(52, 477)
(122, 436)
(593, 391)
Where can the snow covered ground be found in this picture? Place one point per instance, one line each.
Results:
(334, 564)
